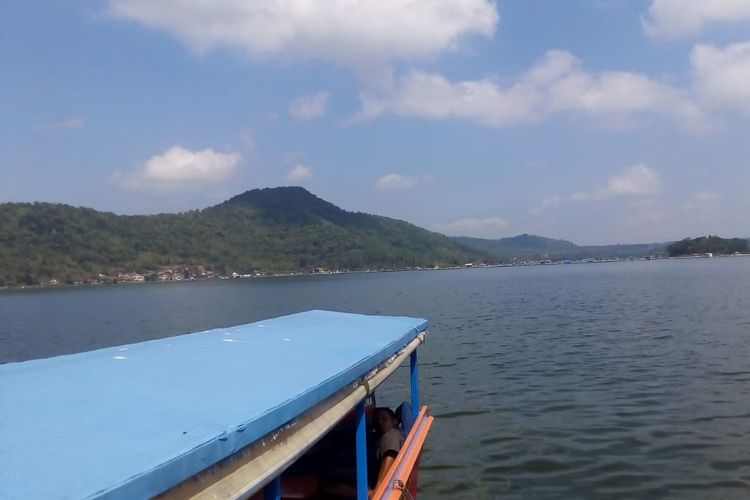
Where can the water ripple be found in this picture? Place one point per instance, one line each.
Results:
(626, 380)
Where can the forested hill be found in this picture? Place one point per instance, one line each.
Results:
(527, 246)
(263, 230)
(709, 244)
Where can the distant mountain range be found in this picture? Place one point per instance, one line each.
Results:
(527, 246)
(285, 229)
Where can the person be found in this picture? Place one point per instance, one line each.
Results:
(383, 447)
(390, 440)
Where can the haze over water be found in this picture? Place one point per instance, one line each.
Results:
(577, 381)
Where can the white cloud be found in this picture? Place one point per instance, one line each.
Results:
(310, 106)
(680, 18)
(352, 32)
(299, 172)
(429, 95)
(723, 75)
(75, 123)
(555, 84)
(181, 169)
(395, 182)
(634, 181)
(489, 227)
(703, 202)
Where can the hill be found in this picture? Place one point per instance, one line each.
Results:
(709, 244)
(264, 230)
(531, 247)
(521, 246)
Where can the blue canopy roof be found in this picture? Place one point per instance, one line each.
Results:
(134, 420)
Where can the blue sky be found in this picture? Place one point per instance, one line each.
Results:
(597, 121)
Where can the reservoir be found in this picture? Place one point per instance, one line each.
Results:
(571, 381)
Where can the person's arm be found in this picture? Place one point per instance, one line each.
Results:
(385, 465)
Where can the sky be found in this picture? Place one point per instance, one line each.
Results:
(595, 121)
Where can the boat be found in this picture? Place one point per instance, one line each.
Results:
(236, 412)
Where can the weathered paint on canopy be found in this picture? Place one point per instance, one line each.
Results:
(134, 420)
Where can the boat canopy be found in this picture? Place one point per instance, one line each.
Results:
(135, 420)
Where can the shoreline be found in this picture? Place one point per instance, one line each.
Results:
(529, 263)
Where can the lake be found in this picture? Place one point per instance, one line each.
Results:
(618, 380)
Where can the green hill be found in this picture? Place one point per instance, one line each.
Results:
(521, 246)
(266, 230)
(531, 247)
(709, 244)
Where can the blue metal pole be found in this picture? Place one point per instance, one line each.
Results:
(414, 383)
(272, 491)
(359, 418)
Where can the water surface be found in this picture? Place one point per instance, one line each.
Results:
(627, 380)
